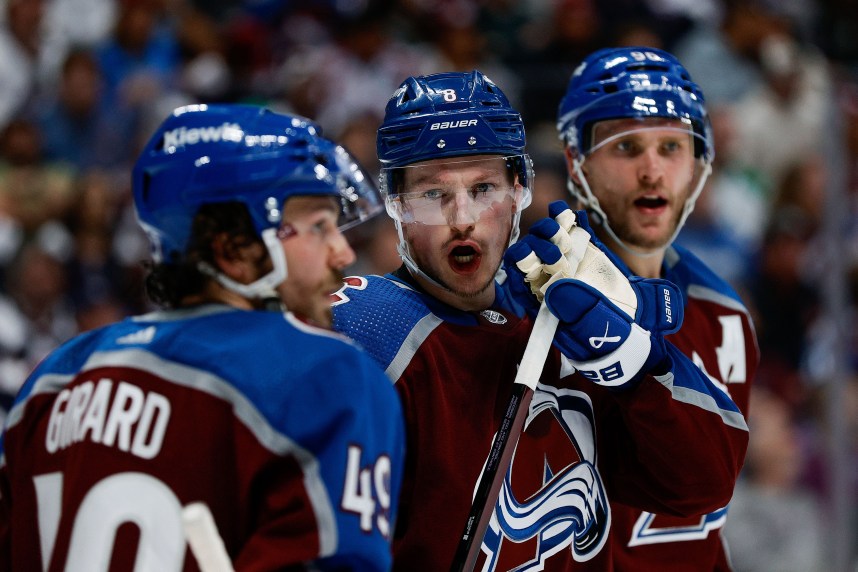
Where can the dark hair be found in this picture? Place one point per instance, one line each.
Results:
(167, 284)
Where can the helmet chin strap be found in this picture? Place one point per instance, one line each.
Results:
(264, 287)
(592, 203)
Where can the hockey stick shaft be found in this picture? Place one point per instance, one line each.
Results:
(506, 439)
(206, 543)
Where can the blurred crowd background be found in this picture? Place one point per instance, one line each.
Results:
(84, 82)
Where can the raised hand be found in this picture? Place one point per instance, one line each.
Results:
(612, 323)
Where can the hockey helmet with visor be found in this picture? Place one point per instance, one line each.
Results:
(447, 121)
(205, 154)
(647, 85)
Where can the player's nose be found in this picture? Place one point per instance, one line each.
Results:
(341, 252)
(460, 211)
(650, 165)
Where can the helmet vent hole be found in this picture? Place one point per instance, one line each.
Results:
(397, 142)
(147, 182)
(646, 67)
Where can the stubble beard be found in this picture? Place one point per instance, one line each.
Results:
(625, 230)
(451, 284)
(454, 288)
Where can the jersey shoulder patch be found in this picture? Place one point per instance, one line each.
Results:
(697, 280)
(379, 313)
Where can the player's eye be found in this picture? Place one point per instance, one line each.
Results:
(482, 189)
(432, 194)
(324, 227)
(672, 146)
(627, 147)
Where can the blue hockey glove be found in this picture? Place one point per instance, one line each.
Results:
(551, 252)
(612, 324)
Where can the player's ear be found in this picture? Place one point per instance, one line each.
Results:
(570, 155)
(237, 257)
(519, 193)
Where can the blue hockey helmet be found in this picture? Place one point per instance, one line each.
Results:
(229, 152)
(450, 114)
(205, 154)
(632, 82)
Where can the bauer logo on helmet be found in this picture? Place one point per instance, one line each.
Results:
(453, 124)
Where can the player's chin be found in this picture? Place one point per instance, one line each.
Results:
(316, 309)
(321, 315)
(471, 286)
(325, 319)
(650, 241)
(651, 234)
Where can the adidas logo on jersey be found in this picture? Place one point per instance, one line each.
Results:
(143, 336)
(184, 136)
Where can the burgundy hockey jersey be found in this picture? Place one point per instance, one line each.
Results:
(718, 336)
(583, 447)
(290, 435)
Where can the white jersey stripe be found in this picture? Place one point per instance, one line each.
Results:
(411, 344)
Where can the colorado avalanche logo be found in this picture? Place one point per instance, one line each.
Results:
(571, 509)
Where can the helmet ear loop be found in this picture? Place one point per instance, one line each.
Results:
(523, 198)
(392, 206)
(579, 187)
(264, 287)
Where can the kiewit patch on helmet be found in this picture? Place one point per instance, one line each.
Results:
(191, 136)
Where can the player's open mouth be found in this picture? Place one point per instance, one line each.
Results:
(651, 202)
(464, 259)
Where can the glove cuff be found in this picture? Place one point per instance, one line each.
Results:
(663, 313)
(622, 366)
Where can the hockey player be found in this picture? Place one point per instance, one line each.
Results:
(295, 445)
(638, 150)
(449, 333)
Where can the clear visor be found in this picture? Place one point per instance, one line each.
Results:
(452, 192)
(359, 197)
(678, 148)
(635, 136)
